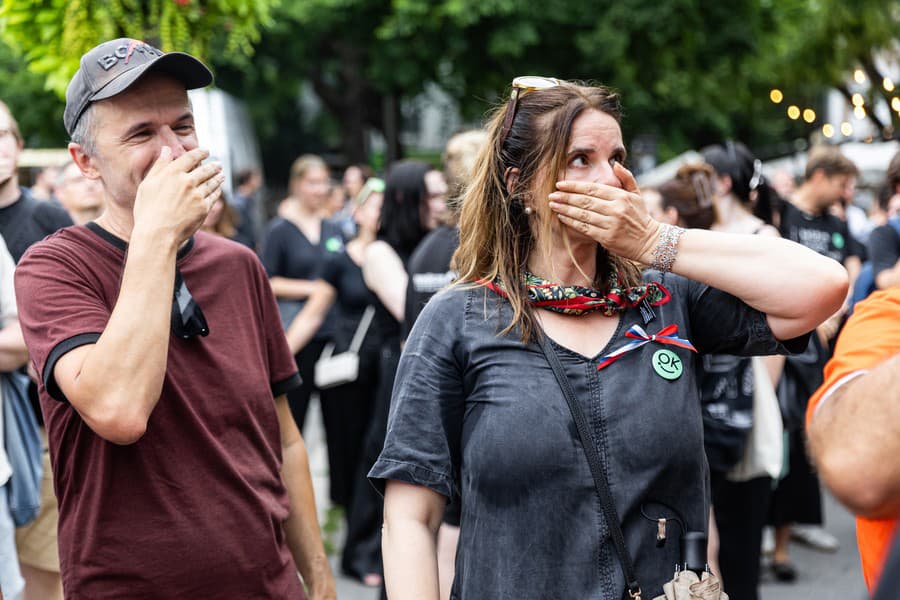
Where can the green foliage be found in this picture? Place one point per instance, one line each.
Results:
(690, 72)
(55, 33)
(685, 68)
(819, 43)
(38, 111)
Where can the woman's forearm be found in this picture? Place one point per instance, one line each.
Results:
(412, 516)
(13, 353)
(291, 289)
(310, 318)
(410, 560)
(796, 287)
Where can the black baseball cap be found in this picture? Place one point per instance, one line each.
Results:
(114, 66)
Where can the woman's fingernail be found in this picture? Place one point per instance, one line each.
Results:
(554, 205)
(556, 196)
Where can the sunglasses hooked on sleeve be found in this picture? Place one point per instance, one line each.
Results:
(188, 320)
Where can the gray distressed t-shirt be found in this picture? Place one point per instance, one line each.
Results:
(480, 415)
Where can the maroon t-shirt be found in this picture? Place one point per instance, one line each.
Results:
(195, 508)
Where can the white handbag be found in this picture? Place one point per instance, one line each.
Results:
(342, 368)
(764, 452)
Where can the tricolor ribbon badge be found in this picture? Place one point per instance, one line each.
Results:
(666, 335)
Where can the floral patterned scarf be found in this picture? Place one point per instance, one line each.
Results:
(577, 300)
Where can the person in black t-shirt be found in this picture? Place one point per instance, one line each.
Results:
(23, 220)
(347, 409)
(245, 203)
(807, 220)
(884, 242)
(429, 264)
(293, 247)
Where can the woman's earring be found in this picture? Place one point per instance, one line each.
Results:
(528, 210)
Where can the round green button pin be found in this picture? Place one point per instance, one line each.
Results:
(667, 364)
(837, 240)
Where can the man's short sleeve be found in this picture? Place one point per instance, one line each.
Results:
(871, 336)
(58, 309)
(424, 430)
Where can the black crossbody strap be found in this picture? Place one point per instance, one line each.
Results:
(593, 458)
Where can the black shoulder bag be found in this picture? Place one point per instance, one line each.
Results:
(593, 458)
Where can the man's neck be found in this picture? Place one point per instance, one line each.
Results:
(81, 217)
(804, 199)
(120, 224)
(9, 192)
(116, 223)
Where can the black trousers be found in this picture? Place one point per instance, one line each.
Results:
(798, 497)
(298, 398)
(362, 552)
(347, 413)
(741, 509)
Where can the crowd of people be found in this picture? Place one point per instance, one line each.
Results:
(532, 372)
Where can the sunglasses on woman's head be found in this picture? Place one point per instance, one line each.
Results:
(521, 85)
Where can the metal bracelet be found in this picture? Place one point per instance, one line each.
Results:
(667, 248)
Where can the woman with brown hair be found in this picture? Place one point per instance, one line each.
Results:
(552, 238)
(689, 200)
(293, 250)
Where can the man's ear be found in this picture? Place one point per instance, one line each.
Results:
(511, 175)
(84, 161)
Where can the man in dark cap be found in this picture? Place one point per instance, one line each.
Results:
(162, 363)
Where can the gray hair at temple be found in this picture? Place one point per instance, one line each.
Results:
(85, 131)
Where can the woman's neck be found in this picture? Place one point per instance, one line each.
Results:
(559, 268)
(733, 216)
(294, 207)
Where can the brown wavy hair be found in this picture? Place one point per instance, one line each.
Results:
(691, 193)
(497, 238)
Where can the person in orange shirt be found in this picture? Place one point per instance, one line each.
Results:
(854, 425)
